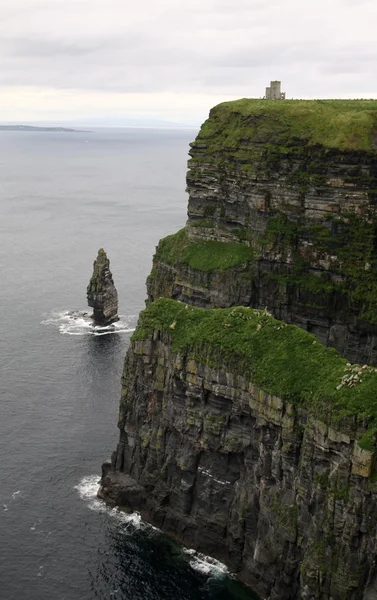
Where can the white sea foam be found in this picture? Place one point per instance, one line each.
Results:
(36, 525)
(79, 322)
(206, 564)
(88, 488)
(13, 497)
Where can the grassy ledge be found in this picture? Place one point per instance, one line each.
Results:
(203, 256)
(341, 124)
(282, 359)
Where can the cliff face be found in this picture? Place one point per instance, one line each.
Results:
(282, 213)
(101, 292)
(241, 435)
(226, 448)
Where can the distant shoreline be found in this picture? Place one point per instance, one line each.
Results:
(36, 128)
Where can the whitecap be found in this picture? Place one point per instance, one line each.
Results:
(88, 488)
(35, 525)
(206, 565)
(79, 322)
(15, 494)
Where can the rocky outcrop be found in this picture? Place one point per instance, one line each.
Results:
(273, 484)
(101, 293)
(305, 207)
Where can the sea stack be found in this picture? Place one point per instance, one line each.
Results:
(101, 292)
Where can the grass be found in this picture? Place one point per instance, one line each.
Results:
(282, 359)
(341, 124)
(204, 223)
(349, 237)
(203, 256)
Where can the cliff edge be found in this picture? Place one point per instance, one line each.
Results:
(241, 434)
(246, 438)
(282, 213)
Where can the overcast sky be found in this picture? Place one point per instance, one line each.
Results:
(111, 60)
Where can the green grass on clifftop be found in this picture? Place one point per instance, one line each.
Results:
(342, 124)
(203, 256)
(282, 359)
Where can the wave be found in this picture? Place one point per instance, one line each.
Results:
(206, 564)
(14, 496)
(77, 322)
(88, 488)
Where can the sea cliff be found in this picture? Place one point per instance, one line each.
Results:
(241, 434)
(282, 213)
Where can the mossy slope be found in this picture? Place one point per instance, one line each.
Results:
(204, 256)
(282, 359)
(342, 124)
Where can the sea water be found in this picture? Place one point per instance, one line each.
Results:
(63, 196)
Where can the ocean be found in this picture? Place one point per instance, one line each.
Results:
(63, 196)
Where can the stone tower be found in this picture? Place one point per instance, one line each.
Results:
(274, 91)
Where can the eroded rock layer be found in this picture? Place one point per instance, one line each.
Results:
(282, 213)
(101, 292)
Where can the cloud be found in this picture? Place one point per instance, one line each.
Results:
(209, 48)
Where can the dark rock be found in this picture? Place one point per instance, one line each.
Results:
(121, 490)
(101, 293)
(285, 498)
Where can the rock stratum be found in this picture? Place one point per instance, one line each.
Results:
(101, 292)
(242, 434)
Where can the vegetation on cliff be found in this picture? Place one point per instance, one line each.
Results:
(299, 139)
(296, 183)
(342, 124)
(349, 239)
(282, 359)
(204, 256)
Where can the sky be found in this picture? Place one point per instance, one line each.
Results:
(116, 61)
